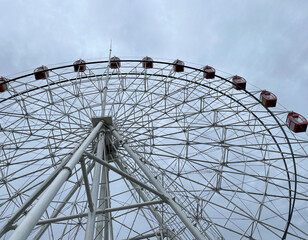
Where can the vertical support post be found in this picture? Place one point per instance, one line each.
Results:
(102, 221)
(105, 200)
(176, 208)
(109, 205)
(89, 235)
(103, 146)
(25, 228)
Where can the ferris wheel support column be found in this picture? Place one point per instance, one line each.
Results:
(24, 229)
(62, 204)
(104, 220)
(36, 194)
(101, 219)
(176, 208)
(94, 191)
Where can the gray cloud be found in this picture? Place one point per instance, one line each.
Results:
(263, 41)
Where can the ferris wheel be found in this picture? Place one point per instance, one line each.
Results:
(144, 149)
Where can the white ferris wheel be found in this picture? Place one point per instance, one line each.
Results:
(144, 149)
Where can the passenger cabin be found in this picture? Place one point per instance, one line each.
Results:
(115, 63)
(79, 65)
(296, 123)
(239, 82)
(178, 66)
(3, 84)
(209, 72)
(268, 99)
(147, 62)
(41, 73)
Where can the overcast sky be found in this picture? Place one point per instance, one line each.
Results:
(264, 41)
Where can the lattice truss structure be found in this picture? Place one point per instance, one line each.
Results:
(147, 153)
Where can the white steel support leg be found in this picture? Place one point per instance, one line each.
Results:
(141, 194)
(62, 204)
(94, 192)
(102, 220)
(109, 206)
(104, 203)
(35, 195)
(145, 199)
(24, 229)
(176, 208)
(100, 224)
(108, 231)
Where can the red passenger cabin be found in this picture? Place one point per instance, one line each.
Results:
(268, 99)
(240, 82)
(3, 84)
(147, 62)
(209, 72)
(115, 62)
(178, 66)
(297, 123)
(79, 65)
(41, 73)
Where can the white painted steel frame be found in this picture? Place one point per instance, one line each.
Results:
(131, 99)
(177, 209)
(99, 211)
(124, 174)
(32, 198)
(95, 189)
(28, 223)
(62, 205)
(141, 194)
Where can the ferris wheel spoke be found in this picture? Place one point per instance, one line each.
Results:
(173, 205)
(255, 199)
(240, 213)
(29, 201)
(132, 108)
(46, 199)
(214, 223)
(172, 182)
(237, 191)
(157, 216)
(229, 162)
(64, 202)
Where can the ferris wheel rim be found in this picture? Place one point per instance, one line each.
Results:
(217, 90)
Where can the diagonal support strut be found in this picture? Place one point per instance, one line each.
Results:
(28, 223)
(176, 208)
